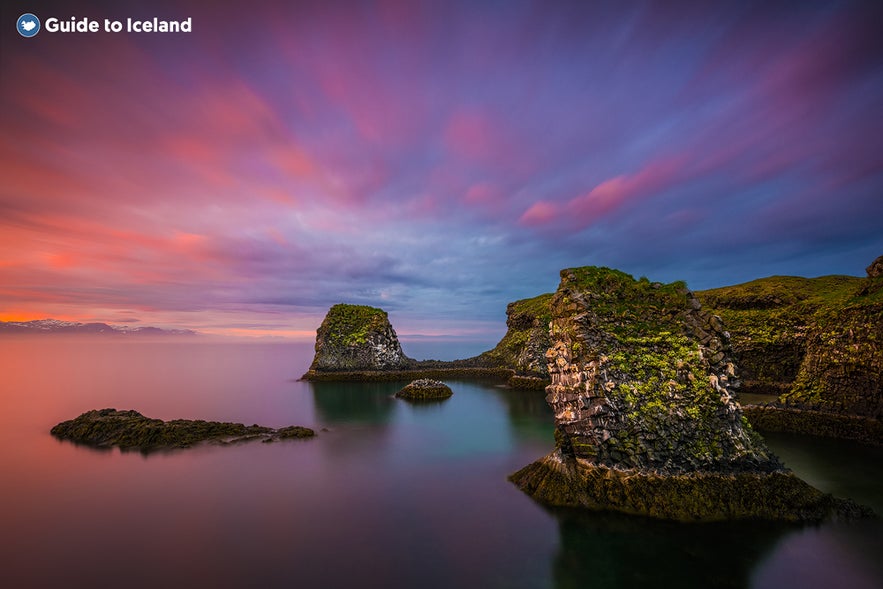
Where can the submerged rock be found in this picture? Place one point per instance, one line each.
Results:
(129, 430)
(646, 422)
(425, 389)
(357, 338)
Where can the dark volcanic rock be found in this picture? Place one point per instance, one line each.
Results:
(425, 389)
(129, 430)
(642, 391)
(355, 338)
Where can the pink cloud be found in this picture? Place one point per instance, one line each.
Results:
(540, 213)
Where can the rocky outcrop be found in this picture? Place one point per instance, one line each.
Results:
(129, 430)
(815, 343)
(772, 417)
(358, 343)
(875, 269)
(425, 389)
(646, 422)
(524, 345)
(770, 321)
(357, 337)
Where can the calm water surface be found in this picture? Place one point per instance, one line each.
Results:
(391, 495)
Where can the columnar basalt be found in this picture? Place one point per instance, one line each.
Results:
(643, 395)
(642, 378)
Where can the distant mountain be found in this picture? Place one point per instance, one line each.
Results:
(52, 326)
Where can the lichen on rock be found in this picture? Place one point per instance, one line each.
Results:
(425, 389)
(643, 395)
(357, 337)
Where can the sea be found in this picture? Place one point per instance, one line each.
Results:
(389, 494)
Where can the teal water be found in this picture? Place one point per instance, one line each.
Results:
(388, 495)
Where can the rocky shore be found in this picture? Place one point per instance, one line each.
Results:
(129, 430)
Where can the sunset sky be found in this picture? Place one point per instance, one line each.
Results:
(438, 159)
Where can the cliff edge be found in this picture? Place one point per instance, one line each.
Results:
(817, 344)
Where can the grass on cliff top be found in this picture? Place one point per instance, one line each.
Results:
(617, 294)
(774, 309)
(351, 324)
(537, 306)
(782, 291)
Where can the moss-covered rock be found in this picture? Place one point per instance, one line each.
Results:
(646, 422)
(129, 430)
(356, 338)
(642, 378)
(425, 389)
(524, 345)
(562, 481)
(817, 343)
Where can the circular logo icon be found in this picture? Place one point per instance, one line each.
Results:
(28, 25)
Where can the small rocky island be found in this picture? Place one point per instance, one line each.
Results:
(425, 389)
(646, 422)
(129, 430)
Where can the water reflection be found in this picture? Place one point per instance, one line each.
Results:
(529, 415)
(355, 402)
(602, 550)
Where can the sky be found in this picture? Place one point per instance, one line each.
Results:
(438, 159)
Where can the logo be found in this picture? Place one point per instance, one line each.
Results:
(28, 25)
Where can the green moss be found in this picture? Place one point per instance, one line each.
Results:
(537, 307)
(815, 342)
(523, 346)
(350, 325)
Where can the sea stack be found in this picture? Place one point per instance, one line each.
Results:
(646, 422)
(357, 338)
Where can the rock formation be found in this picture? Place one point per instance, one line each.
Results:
(129, 430)
(646, 422)
(357, 337)
(358, 343)
(425, 389)
(524, 346)
(817, 344)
